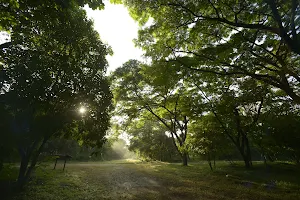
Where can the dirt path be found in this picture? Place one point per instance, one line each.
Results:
(126, 182)
(121, 181)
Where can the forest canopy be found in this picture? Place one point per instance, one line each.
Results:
(220, 81)
(219, 76)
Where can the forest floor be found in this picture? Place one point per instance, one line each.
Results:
(157, 180)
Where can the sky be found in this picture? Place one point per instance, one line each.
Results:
(117, 29)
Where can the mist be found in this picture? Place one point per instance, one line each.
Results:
(121, 149)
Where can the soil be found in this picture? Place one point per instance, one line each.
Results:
(126, 181)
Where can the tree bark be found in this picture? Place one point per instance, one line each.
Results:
(246, 157)
(184, 156)
(214, 161)
(25, 157)
(35, 159)
(248, 151)
(209, 161)
(24, 171)
(247, 163)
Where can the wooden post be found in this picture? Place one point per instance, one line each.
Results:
(65, 164)
(62, 157)
(55, 163)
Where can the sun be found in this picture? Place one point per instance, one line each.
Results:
(82, 110)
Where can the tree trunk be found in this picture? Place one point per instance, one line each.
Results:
(22, 171)
(209, 161)
(247, 162)
(25, 157)
(248, 151)
(184, 156)
(264, 158)
(214, 161)
(35, 159)
(263, 154)
(244, 150)
(246, 158)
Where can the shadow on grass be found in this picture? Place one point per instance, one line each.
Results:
(277, 174)
(8, 177)
(277, 181)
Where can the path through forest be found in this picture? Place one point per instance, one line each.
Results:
(156, 180)
(124, 180)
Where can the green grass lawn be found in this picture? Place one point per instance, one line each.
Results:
(156, 180)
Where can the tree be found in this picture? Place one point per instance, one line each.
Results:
(139, 87)
(236, 104)
(258, 39)
(149, 140)
(14, 11)
(279, 132)
(6, 140)
(207, 139)
(54, 64)
(233, 58)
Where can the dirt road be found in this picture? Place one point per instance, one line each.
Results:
(121, 181)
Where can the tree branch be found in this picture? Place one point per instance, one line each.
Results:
(224, 20)
(216, 10)
(5, 45)
(294, 46)
(216, 115)
(293, 27)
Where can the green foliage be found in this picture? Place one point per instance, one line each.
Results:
(149, 140)
(152, 90)
(14, 12)
(235, 63)
(110, 150)
(231, 60)
(54, 64)
(57, 70)
(258, 39)
(281, 134)
(207, 138)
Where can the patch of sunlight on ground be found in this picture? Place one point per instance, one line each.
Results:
(132, 160)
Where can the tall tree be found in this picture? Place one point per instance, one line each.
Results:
(54, 64)
(139, 87)
(237, 105)
(279, 132)
(208, 139)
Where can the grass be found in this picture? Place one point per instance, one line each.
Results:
(231, 182)
(158, 180)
